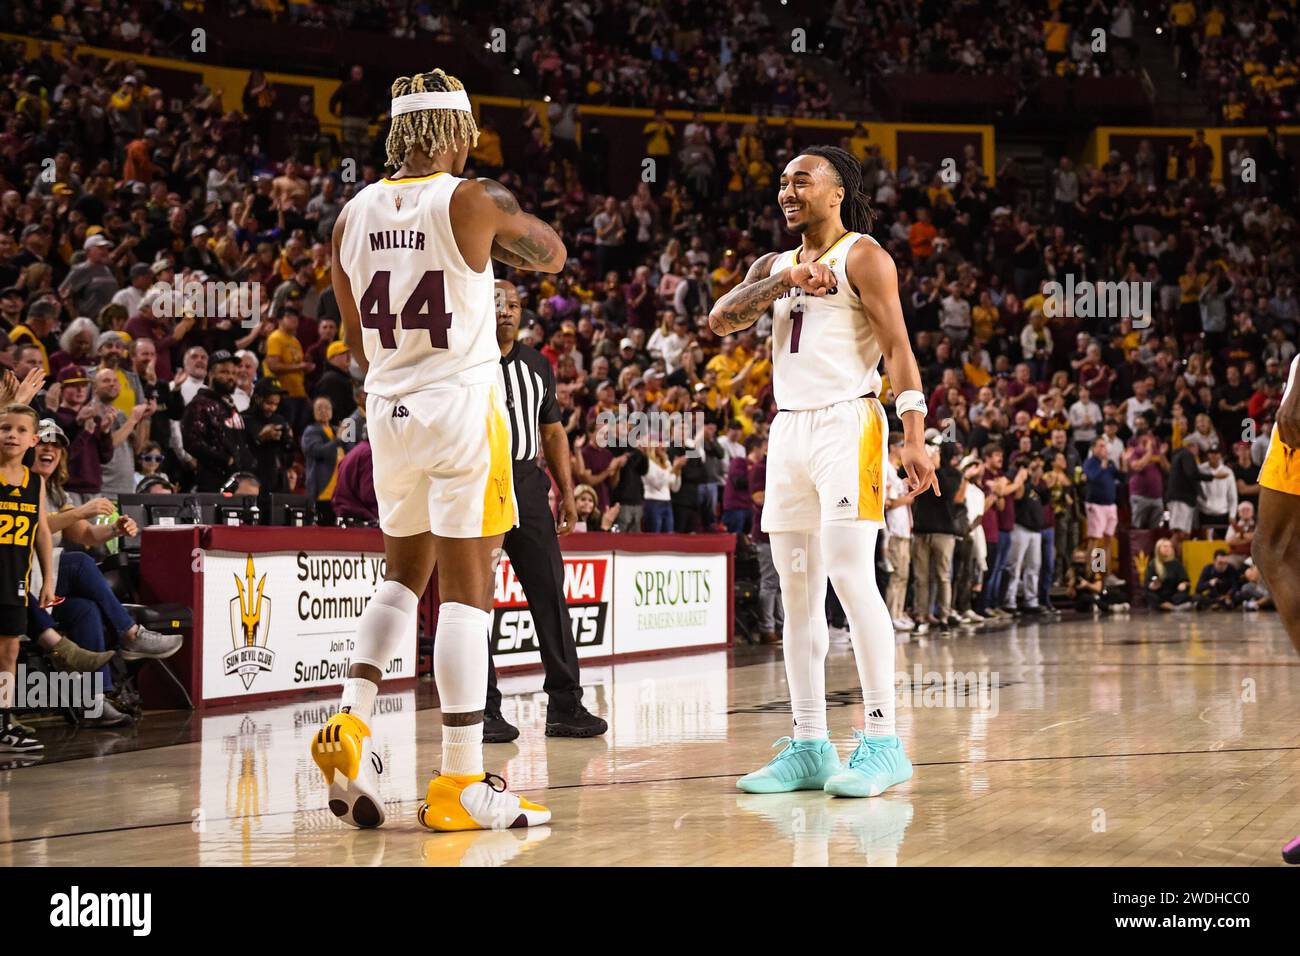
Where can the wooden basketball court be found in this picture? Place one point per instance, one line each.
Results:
(1142, 740)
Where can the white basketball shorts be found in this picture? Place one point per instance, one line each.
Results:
(826, 464)
(442, 462)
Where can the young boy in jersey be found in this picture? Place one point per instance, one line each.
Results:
(22, 527)
(835, 316)
(1276, 546)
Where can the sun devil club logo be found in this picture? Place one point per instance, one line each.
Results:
(250, 623)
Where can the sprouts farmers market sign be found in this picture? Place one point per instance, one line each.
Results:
(664, 601)
(287, 621)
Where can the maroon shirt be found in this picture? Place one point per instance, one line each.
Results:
(597, 459)
(758, 482)
(354, 487)
(990, 519)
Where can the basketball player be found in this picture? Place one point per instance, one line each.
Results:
(413, 278)
(1276, 547)
(22, 526)
(836, 314)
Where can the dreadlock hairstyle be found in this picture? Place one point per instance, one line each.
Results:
(432, 131)
(855, 212)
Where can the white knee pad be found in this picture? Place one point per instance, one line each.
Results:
(460, 657)
(386, 620)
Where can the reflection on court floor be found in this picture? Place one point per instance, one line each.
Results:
(1143, 741)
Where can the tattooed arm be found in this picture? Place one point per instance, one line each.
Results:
(521, 240)
(741, 307)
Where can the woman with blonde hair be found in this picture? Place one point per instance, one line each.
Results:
(1168, 587)
(590, 517)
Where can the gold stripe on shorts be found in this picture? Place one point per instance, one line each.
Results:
(871, 471)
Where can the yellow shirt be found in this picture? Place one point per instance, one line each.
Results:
(126, 397)
(1191, 286)
(1055, 36)
(984, 319)
(726, 367)
(1183, 13)
(1214, 23)
(327, 493)
(488, 150)
(724, 281)
(760, 174)
(660, 141)
(287, 349)
(759, 376)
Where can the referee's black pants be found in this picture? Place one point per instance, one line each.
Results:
(534, 552)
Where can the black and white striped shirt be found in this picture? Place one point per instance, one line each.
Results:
(530, 400)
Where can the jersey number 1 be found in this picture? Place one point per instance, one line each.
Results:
(425, 309)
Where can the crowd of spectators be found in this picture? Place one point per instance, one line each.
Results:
(139, 204)
(1242, 56)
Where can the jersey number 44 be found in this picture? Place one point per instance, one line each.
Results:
(425, 309)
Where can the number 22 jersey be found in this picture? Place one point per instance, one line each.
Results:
(19, 513)
(427, 319)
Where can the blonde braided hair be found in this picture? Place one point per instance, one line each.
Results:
(432, 131)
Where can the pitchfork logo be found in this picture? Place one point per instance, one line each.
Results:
(250, 622)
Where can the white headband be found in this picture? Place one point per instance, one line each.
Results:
(414, 102)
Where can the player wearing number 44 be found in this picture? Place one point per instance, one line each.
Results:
(413, 278)
(836, 314)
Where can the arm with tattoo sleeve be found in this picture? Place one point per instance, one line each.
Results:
(741, 307)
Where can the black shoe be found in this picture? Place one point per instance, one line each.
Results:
(574, 723)
(498, 730)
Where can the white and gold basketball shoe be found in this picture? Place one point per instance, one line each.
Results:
(477, 802)
(346, 756)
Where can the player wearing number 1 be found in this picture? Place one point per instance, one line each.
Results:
(836, 314)
(413, 278)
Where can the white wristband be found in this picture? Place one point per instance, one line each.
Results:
(910, 401)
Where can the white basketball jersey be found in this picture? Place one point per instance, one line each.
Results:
(427, 319)
(824, 349)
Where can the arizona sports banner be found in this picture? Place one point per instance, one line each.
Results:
(588, 587)
(287, 621)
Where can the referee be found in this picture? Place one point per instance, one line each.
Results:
(534, 547)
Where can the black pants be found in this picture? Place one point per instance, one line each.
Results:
(534, 552)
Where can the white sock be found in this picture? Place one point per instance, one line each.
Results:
(359, 697)
(460, 669)
(849, 548)
(797, 557)
(462, 749)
